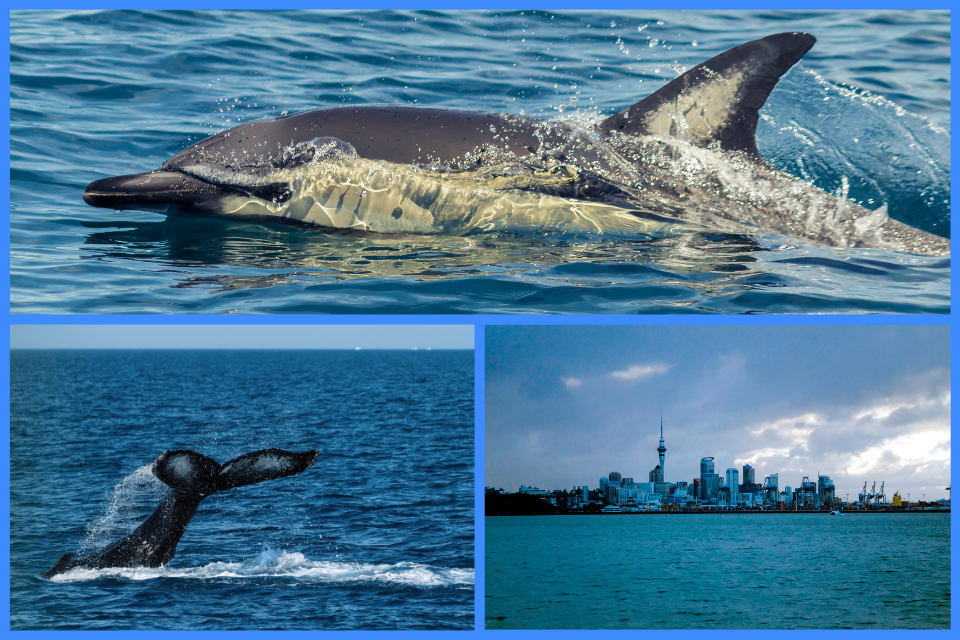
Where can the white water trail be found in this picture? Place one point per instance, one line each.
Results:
(283, 564)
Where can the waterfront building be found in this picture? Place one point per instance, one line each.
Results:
(657, 474)
(770, 489)
(709, 481)
(749, 484)
(706, 465)
(787, 496)
(723, 495)
(826, 492)
(532, 490)
(733, 485)
(612, 479)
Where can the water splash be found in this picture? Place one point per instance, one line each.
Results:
(272, 563)
(124, 511)
(826, 133)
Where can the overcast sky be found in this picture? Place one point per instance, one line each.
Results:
(567, 405)
(255, 336)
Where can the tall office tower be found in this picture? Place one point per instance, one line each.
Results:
(749, 475)
(709, 481)
(733, 481)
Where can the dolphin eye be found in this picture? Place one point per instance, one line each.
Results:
(277, 192)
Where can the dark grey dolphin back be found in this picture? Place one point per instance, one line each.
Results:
(401, 135)
(719, 100)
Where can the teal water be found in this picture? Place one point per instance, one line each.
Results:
(732, 571)
(110, 93)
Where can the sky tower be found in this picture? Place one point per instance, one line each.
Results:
(661, 449)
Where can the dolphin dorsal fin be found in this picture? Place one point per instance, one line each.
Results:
(719, 100)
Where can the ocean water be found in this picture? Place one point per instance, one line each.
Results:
(378, 534)
(730, 571)
(866, 113)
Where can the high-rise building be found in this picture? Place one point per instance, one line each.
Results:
(706, 465)
(656, 475)
(826, 491)
(709, 481)
(733, 482)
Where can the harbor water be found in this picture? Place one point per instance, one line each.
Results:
(730, 571)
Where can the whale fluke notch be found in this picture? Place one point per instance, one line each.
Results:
(719, 100)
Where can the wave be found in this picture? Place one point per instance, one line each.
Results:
(284, 564)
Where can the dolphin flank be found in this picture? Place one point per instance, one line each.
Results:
(192, 477)
(672, 160)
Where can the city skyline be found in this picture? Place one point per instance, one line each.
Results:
(567, 405)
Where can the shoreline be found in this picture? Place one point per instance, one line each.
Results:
(717, 513)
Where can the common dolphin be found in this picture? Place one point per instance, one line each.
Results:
(685, 155)
(193, 477)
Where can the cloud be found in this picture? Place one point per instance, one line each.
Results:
(572, 383)
(911, 450)
(639, 372)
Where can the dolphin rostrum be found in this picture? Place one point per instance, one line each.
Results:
(192, 477)
(684, 156)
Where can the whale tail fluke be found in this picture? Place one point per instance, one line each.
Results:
(266, 464)
(718, 101)
(187, 471)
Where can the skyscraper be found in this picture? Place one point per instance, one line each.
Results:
(733, 482)
(709, 481)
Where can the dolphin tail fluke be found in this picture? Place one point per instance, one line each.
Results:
(61, 565)
(191, 472)
(718, 101)
(266, 464)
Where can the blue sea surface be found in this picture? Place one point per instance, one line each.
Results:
(866, 113)
(722, 571)
(378, 534)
